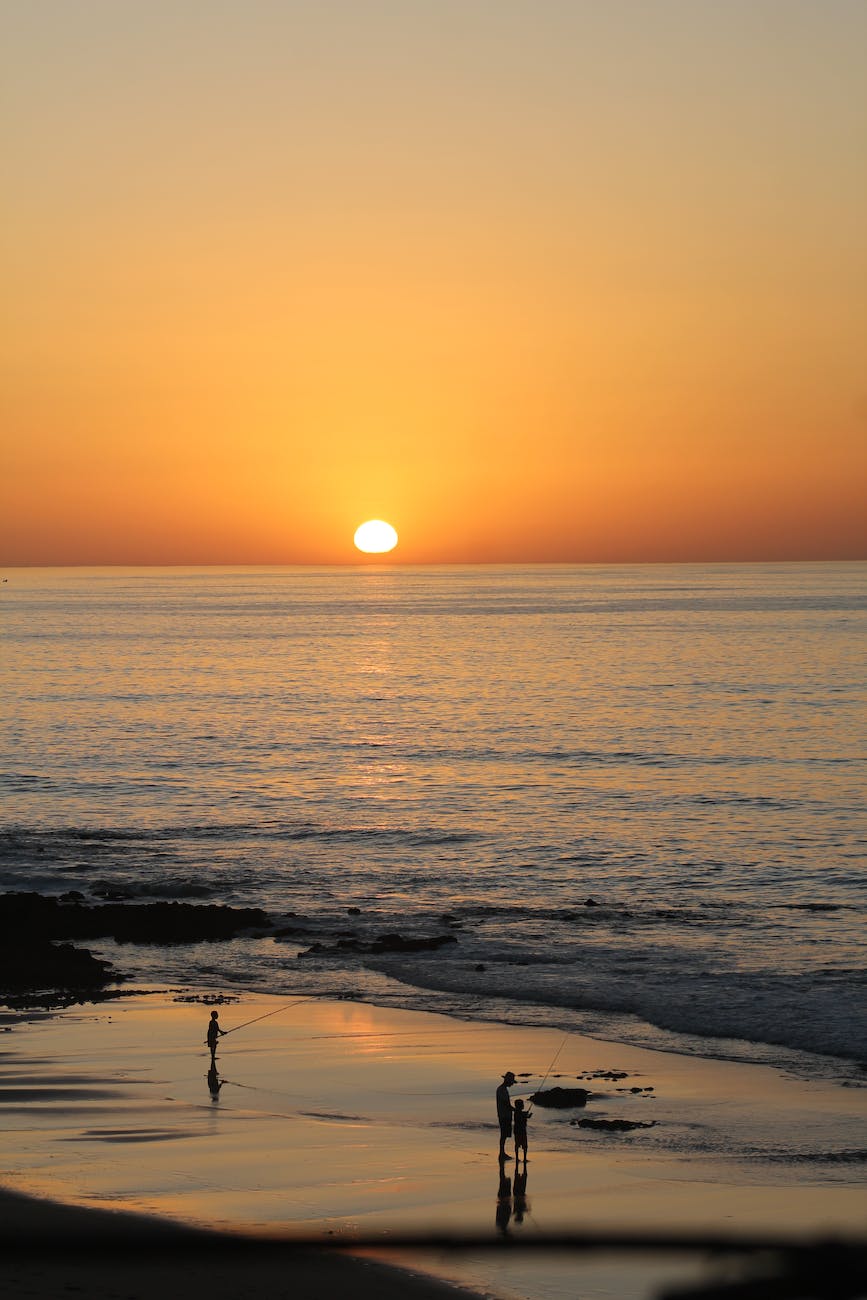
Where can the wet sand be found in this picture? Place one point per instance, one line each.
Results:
(339, 1121)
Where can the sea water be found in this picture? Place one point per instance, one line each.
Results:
(631, 798)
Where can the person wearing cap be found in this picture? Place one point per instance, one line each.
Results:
(504, 1112)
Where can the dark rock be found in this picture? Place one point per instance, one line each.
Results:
(590, 902)
(36, 916)
(561, 1098)
(208, 999)
(324, 949)
(397, 943)
(353, 911)
(614, 1125)
(480, 966)
(383, 943)
(39, 964)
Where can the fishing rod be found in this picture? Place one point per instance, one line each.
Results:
(276, 1011)
(553, 1063)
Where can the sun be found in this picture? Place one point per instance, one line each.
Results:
(375, 537)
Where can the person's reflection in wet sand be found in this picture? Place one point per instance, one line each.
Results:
(215, 1083)
(520, 1194)
(504, 1200)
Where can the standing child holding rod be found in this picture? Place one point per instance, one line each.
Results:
(520, 1119)
(214, 1032)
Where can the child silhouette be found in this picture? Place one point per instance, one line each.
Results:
(214, 1032)
(520, 1117)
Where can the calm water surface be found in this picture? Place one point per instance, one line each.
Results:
(475, 752)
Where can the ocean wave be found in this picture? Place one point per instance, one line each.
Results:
(825, 1017)
(16, 839)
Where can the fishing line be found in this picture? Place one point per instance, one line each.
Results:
(252, 1087)
(553, 1063)
(275, 1012)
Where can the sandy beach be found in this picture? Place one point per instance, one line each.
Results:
(340, 1121)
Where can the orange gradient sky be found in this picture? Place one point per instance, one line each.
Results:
(530, 279)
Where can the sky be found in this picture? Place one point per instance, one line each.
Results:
(533, 280)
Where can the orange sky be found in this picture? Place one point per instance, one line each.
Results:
(533, 281)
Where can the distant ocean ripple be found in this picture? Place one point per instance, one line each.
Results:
(633, 796)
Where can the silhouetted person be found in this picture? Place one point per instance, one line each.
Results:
(521, 1117)
(214, 1032)
(504, 1112)
(215, 1083)
(504, 1201)
(520, 1197)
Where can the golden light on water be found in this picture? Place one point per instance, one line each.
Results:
(375, 537)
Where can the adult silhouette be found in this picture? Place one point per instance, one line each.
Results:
(504, 1112)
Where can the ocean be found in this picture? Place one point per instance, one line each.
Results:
(629, 800)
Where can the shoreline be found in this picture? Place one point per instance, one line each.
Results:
(806, 1033)
(358, 1121)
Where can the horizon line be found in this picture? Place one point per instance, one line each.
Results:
(422, 564)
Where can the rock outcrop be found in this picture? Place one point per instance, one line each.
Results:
(31, 959)
(614, 1125)
(561, 1098)
(38, 964)
(382, 943)
(160, 923)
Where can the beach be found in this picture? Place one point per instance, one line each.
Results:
(339, 1121)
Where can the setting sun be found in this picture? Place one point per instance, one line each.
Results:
(375, 537)
(653, 356)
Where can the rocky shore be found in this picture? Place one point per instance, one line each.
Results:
(39, 934)
(37, 957)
